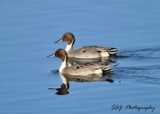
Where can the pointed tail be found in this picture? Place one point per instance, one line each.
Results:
(112, 51)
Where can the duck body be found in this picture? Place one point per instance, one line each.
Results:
(82, 70)
(78, 69)
(91, 52)
(85, 51)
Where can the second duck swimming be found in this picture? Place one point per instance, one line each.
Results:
(86, 51)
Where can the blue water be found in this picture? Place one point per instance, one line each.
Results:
(28, 30)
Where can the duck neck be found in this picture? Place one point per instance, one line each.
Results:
(69, 47)
(63, 65)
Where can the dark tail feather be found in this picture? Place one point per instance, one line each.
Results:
(113, 51)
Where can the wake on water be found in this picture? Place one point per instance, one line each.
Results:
(142, 73)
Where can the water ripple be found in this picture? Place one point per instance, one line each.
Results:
(143, 74)
(147, 53)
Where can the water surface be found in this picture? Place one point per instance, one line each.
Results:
(28, 30)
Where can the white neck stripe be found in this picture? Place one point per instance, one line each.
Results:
(69, 47)
(63, 65)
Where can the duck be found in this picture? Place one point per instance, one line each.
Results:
(79, 69)
(90, 52)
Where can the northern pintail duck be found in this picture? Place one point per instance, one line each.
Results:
(86, 51)
(77, 69)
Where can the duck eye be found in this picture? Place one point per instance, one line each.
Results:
(64, 37)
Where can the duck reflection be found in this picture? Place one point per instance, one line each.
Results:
(64, 88)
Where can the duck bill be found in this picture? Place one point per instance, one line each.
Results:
(58, 41)
(52, 55)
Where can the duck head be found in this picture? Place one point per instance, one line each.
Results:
(69, 38)
(60, 53)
